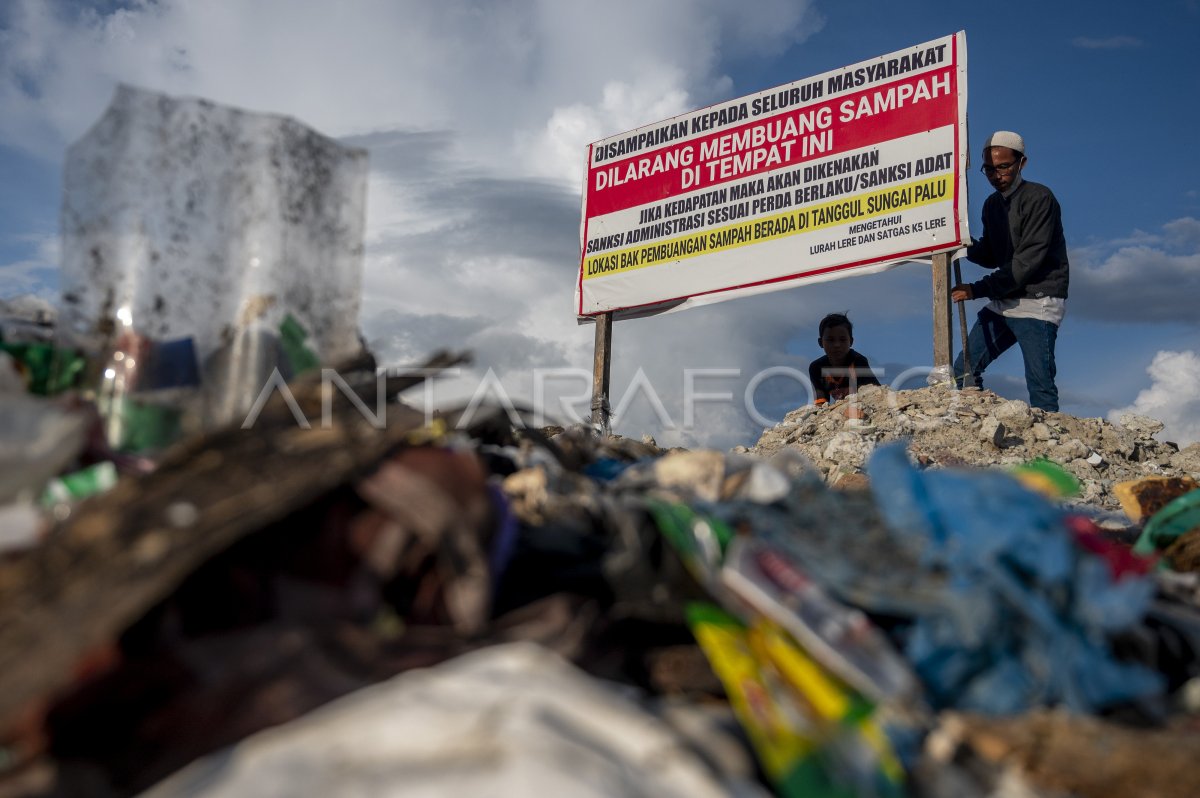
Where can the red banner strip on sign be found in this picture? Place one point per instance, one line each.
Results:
(855, 121)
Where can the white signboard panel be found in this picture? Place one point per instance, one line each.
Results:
(845, 173)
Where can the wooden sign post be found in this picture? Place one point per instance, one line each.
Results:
(601, 373)
(942, 337)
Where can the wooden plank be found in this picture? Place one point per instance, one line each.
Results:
(942, 315)
(601, 372)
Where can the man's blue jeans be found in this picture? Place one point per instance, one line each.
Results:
(993, 334)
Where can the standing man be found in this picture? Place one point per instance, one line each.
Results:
(1023, 241)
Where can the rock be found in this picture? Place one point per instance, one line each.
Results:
(1142, 426)
(1121, 441)
(993, 432)
(1091, 491)
(1040, 431)
(1072, 449)
(1187, 459)
(799, 433)
(848, 449)
(852, 480)
(762, 484)
(869, 393)
(1014, 415)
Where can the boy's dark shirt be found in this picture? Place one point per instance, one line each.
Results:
(836, 385)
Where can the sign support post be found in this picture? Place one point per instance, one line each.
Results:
(601, 373)
(942, 340)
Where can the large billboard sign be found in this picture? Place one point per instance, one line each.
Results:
(849, 172)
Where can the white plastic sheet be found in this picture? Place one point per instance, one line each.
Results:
(186, 219)
(512, 720)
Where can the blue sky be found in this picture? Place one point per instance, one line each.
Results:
(476, 116)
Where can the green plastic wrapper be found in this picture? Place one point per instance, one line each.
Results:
(48, 369)
(81, 484)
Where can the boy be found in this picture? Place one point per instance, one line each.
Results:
(841, 370)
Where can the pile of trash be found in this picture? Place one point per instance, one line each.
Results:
(226, 570)
(972, 427)
(416, 608)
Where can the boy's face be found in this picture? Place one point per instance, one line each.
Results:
(836, 342)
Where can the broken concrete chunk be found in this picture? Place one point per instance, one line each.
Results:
(871, 392)
(1072, 449)
(1142, 426)
(1187, 459)
(1014, 415)
(1040, 431)
(992, 431)
(849, 449)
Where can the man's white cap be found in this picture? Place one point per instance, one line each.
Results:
(1006, 138)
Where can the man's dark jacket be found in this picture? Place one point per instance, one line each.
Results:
(1023, 241)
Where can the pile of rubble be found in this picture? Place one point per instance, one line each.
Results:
(945, 427)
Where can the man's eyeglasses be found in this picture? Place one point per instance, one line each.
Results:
(991, 169)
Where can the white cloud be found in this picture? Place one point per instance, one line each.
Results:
(1173, 396)
(557, 150)
(1184, 233)
(501, 75)
(1148, 278)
